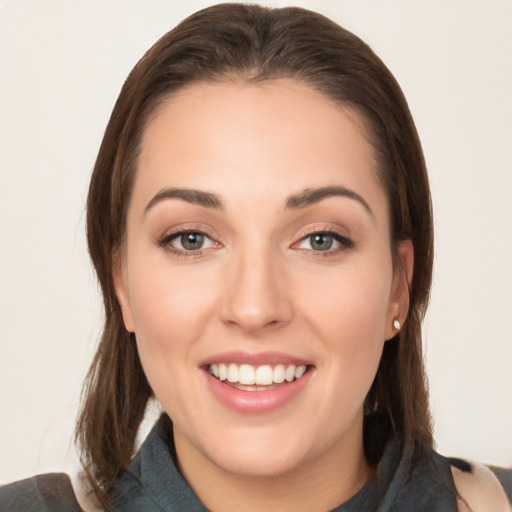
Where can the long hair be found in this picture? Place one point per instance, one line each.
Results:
(253, 44)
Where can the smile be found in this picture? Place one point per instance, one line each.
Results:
(256, 376)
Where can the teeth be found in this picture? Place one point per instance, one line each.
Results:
(299, 372)
(279, 374)
(290, 373)
(260, 376)
(214, 368)
(233, 373)
(264, 375)
(246, 374)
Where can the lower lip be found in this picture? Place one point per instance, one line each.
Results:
(256, 402)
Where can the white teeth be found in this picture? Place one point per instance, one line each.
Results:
(246, 374)
(265, 375)
(279, 374)
(299, 372)
(214, 370)
(233, 373)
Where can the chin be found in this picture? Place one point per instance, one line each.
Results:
(258, 451)
(264, 462)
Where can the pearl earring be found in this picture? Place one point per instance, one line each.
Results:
(396, 324)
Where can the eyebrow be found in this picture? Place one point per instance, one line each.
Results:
(305, 198)
(199, 197)
(312, 196)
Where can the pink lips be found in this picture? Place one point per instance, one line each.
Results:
(255, 402)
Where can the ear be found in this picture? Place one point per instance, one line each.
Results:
(402, 278)
(120, 278)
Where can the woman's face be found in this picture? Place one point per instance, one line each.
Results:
(257, 274)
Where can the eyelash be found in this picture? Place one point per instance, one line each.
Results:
(165, 242)
(345, 242)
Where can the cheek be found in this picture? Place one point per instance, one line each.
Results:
(345, 316)
(170, 300)
(349, 301)
(171, 307)
(348, 312)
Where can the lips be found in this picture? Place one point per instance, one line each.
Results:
(256, 383)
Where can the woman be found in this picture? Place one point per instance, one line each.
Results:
(259, 219)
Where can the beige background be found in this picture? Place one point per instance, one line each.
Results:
(62, 63)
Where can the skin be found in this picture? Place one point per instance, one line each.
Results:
(258, 284)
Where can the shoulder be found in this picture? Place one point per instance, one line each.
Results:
(479, 488)
(41, 493)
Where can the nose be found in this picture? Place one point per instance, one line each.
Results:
(257, 296)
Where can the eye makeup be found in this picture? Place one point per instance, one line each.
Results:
(187, 242)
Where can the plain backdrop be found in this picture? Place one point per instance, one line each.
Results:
(62, 63)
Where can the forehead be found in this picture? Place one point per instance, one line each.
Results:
(265, 139)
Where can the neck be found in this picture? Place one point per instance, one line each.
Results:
(323, 483)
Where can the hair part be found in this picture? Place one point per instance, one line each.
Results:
(230, 42)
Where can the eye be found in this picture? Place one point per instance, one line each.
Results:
(321, 242)
(324, 242)
(187, 241)
(190, 241)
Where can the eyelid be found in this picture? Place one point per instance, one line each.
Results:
(165, 240)
(179, 235)
(343, 240)
(189, 227)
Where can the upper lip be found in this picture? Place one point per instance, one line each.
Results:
(254, 359)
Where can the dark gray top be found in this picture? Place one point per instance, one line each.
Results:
(153, 483)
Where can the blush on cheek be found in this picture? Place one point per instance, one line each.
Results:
(171, 299)
(353, 305)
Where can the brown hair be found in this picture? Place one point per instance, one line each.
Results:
(253, 43)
